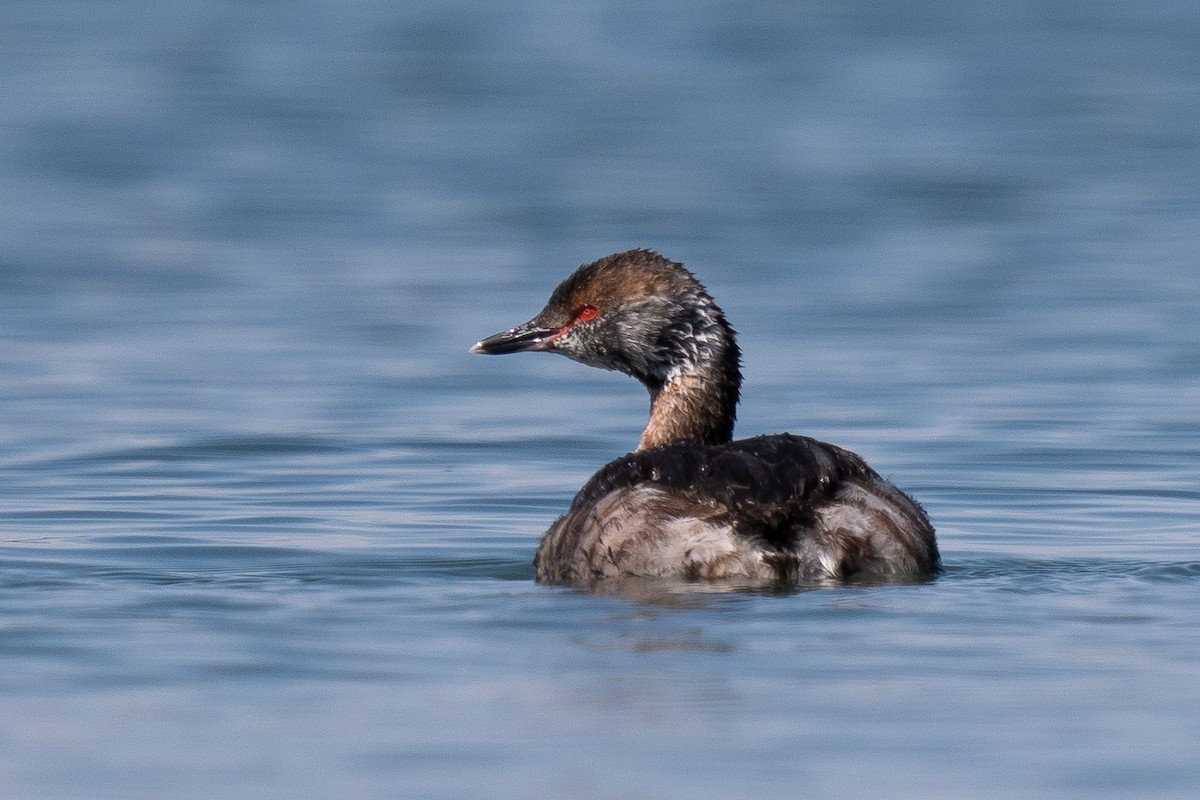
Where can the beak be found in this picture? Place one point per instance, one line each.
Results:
(515, 340)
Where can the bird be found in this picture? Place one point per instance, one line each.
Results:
(691, 503)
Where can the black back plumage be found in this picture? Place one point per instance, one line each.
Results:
(768, 484)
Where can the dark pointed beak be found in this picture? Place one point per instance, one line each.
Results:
(515, 340)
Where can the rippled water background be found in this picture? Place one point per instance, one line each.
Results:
(265, 526)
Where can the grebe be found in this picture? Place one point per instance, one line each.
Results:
(691, 503)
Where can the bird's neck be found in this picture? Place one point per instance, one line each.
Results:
(698, 404)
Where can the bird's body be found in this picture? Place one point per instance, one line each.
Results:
(691, 503)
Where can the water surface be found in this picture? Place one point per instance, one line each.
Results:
(266, 526)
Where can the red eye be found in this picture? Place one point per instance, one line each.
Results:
(586, 313)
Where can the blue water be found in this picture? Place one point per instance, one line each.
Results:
(265, 526)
